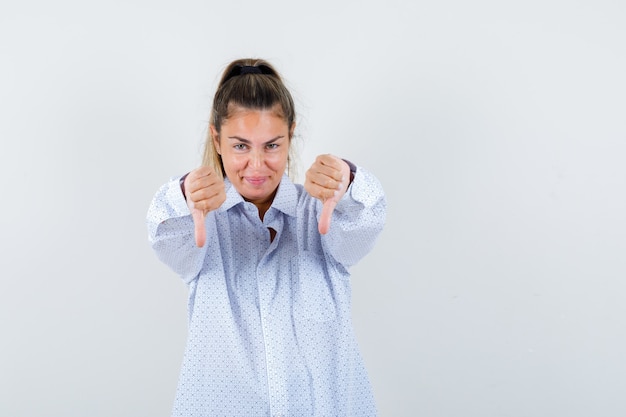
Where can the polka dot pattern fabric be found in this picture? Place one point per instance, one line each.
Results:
(270, 331)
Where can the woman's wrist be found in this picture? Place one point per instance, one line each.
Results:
(182, 185)
(352, 170)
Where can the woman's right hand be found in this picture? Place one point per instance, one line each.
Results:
(204, 192)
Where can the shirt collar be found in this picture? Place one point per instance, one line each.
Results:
(286, 198)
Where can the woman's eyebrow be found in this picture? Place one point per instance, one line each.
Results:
(247, 141)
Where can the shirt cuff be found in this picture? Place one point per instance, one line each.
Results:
(362, 192)
(176, 198)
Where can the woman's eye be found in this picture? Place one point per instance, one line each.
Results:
(272, 146)
(240, 146)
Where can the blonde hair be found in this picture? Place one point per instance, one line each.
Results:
(250, 84)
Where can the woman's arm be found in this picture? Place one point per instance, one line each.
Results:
(171, 231)
(357, 221)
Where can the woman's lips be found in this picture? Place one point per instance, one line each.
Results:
(255, 181)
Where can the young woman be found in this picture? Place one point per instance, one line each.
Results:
(270, 331)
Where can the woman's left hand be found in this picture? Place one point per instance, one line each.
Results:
(327, 180)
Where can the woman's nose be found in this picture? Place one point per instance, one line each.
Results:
(256, 159)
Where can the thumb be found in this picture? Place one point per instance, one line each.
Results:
(198, 225)
(327, 213)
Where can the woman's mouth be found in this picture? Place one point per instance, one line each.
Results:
(255, 181)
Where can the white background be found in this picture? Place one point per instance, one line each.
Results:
(498, 130)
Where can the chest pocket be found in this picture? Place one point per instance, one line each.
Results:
(314, 293)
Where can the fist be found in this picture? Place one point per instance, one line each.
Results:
(204, 192)
(327, 180)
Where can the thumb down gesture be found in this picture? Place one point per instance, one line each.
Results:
(327, 180)
(204, 192)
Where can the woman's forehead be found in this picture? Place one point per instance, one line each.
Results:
(235, 110)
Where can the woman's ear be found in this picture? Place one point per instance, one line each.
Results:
(216, 139)
(292, 129)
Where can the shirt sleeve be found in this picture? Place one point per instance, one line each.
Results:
(171, 231)
(357, 221)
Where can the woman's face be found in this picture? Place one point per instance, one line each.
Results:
(254, 146)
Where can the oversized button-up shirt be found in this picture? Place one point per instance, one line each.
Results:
(270, 331)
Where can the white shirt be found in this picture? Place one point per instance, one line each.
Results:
(270, 332)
